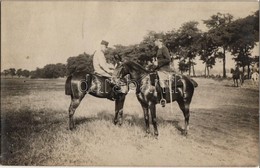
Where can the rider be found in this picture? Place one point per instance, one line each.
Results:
(163, 66)
(105, 69)
(99, 61)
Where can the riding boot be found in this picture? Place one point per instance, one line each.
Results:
(113, 92)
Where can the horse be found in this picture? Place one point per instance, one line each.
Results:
(237, 75)
(147, 89)
(79, 84)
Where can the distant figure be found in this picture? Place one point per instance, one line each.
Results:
(237, 75)
(255, 68)
(99, 61)
(255, 74)
(255, 78)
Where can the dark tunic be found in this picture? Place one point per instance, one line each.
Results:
(163, 58)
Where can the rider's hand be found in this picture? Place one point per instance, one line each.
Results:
(155, 63)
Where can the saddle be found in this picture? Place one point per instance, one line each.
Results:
(113, 86)
(175, 79)
(165, 92)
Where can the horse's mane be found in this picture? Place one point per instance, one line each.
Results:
(136, 66)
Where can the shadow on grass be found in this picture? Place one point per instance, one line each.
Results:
(20, 128)
(230, 86)
(26, 128)
(131, 120)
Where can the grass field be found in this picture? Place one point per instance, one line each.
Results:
(224, 128)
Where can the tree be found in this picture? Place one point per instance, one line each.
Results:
(38, 73)
(12, 72)
(141, 53)
(243, 40)
(186, 41)
(80, 63)
(217, 25)
(6, 72)
(60, 69)
(19, 72)
(26, 73)
(207, 51)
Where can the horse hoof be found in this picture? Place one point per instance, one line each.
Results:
(185, 133)
(156, 134)
(71, 128)
(115, 122)
(148, 132)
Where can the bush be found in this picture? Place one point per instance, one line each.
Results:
(81, 63)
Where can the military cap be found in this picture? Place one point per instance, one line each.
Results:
(103, 42)
(158, 36)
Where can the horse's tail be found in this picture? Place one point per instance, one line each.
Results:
(68, 86)
(195, 84)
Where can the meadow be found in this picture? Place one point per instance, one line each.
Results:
(224, 128)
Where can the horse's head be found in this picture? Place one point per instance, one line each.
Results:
(121, 71)
(133, 69)
(232, 70)
(120, 77)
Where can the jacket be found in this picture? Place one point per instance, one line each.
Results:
(163, 58)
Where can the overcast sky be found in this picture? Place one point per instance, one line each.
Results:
(38, 33)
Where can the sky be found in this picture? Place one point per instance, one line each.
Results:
(38, 33)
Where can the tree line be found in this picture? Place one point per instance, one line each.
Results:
(185, 44)
(48, 71)
(224, 35)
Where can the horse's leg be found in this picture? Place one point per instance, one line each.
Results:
(76, 97)
(116, 112)
(73, 105)
(242, 80)
(185, 107)
(119, 104)
(152, 109)
(146, 118)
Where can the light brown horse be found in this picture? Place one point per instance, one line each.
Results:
(148, 92)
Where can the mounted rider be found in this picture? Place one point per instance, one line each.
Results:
(99, 61)
(101, 67)
(163, 62)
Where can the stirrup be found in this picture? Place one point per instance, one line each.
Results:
(163, 102)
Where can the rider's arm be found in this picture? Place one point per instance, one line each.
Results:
(102, 62)
(166, 54)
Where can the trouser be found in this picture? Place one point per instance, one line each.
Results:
(165, 76)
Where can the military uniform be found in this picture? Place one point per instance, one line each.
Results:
(99, 62)
(163, 67)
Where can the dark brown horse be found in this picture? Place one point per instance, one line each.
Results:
(79, 84)
(237, 75)
(148, 92)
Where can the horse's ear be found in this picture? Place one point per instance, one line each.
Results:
(119, 63)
